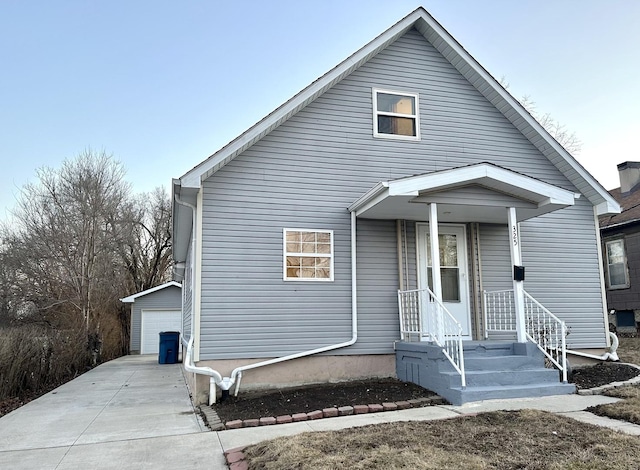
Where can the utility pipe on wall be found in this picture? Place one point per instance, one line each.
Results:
(236, 375)
(215, 378)
(225, 383)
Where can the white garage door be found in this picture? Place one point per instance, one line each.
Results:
(155, 321)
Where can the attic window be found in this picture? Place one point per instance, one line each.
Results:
(395, 115)
(308, 255)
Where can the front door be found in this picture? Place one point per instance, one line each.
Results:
(453, 270)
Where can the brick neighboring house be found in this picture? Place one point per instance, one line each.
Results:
(620, 235)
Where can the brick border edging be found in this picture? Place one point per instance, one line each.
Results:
(603, 388)
(236, 460)
(334, 412)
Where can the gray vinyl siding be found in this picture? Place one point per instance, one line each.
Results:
(563, 273)
(495, 257)
(187, 295)
(306, 173)
(377, 274)
(167, 298)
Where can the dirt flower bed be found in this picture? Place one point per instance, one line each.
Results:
(526, 439)
(602, 373)
(287, 401)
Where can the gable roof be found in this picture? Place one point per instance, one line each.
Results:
(630, 205)
(132, 298)
(392, 199)
(463, 62)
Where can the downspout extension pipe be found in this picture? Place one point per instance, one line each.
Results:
(610, 355)
(236, 375)
(215, 378)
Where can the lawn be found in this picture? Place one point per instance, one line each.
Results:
(524, 439)
(628, 409)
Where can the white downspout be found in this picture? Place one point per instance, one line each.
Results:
(215, 378)
(236, 375)
(610, 355)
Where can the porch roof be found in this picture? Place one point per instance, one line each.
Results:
(474, 193)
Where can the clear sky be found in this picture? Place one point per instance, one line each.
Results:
(164, 84)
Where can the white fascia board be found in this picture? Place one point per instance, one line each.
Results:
(608, 207)
(194, 177)
(449, 44)
(554, 194)
(132, 298)
(369, 199)
(485, 173)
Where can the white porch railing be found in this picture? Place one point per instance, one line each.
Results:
(542, 327)
(499, 312)
(424, 317)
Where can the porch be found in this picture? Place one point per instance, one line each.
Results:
(441, 304)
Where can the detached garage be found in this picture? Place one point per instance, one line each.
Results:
(152, 311)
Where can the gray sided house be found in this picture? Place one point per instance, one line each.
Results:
(152, 311)
(621, 247)
(400, 214)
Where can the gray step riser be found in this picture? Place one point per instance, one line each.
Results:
(504, 378)
(502, 363)
(487, 353)
(459, 397)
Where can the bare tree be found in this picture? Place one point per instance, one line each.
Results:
(146, 250)
(62, 228)
(558, 131)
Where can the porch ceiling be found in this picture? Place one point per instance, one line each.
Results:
(474, 193)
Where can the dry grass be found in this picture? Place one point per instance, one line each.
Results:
(526, 439)
(627, 410)
(629, 350)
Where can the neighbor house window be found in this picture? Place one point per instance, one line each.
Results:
(395, 115)
(617, 275)
(308, 255)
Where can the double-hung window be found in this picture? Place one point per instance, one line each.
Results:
(308, 255)
(395, 115)
(617, 273)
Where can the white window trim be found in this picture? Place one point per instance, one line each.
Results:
(314, 255)
(626, 268)
(416, 116)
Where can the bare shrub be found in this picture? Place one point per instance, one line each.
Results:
(34, 359)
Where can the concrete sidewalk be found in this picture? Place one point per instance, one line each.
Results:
(130, 412)
(133, 412)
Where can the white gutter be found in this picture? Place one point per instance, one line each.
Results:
(611, 355)
(236, 375)
(215, 378)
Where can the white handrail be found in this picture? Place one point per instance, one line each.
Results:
(547, 331)
(542, 327)
(422, 315)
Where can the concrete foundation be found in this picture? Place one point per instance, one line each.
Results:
(303, 371)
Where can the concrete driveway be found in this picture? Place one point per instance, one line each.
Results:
(129, 412)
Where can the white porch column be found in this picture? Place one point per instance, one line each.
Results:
(435, 269)
(518, 288)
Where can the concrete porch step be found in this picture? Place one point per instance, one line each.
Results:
(503, 378)
(494, 369)
(514, 362)
(458, 396)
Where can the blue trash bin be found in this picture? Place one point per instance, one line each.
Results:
(169, 347)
